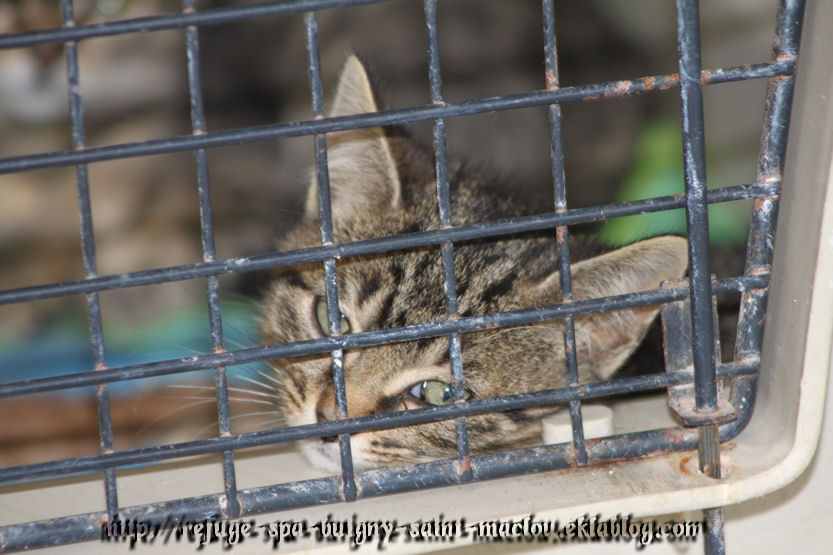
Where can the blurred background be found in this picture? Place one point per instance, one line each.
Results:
(254, 72)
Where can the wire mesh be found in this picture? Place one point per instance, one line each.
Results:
(348, 486)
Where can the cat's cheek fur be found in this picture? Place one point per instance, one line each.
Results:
(324, 455)
(382, 185)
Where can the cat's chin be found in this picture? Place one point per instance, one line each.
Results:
(325, 456)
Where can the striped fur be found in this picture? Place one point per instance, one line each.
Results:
(382, 184)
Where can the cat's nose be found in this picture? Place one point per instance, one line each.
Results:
(325, 408)
(322, 418)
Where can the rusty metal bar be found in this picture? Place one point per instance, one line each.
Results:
(102, 395)
(198, 127)
(764, 216)
(214, 139)
(371, 246)
(330, 276)
(369, 338)
(561, 232)
(594, 390)
(444, 204)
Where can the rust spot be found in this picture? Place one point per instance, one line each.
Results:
(684, 463)
(591, 98)
(552, 80)
(786, 57)
(758, 270)
(649, 82)
(705, 75)
(748, 358)
(620, 89)
(463, 466)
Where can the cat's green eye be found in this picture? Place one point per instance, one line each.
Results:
(109, 8)
(323, 319)
(435, 392)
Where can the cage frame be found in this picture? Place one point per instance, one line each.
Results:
(232, 503)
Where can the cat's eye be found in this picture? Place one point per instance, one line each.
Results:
(435, 392)
(109, 8)
(323, 319)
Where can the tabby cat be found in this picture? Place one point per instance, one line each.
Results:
(383, 184)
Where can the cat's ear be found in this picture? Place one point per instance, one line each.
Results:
(605, 340)
(361, 165)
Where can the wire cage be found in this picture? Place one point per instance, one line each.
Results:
(694, 372)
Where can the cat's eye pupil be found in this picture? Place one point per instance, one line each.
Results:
(435, 392)
(321, 314)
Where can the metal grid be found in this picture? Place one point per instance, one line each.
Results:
(233, 502)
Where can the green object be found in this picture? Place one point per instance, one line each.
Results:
(658, 171)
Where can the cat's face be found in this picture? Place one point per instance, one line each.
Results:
(382, 185)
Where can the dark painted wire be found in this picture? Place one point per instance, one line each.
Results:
(370, 338)
(587, 391)
(215, 317)
(561, 232)
(175, 21)
(764, 215)
(788, 35)
(327, 490)
(330, 275)
(697, 216)
(444, 203)
(713, 538)
(102, 395)
(371, 246)
(614, 89)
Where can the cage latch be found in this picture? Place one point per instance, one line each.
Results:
(677, 347)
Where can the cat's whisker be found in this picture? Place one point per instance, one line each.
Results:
(212, 397)
(253, 401)
(238, 344)
(253, 381)
(186, 386)
(503, 331)
(371, 197)
(270, 422)
(175, 410)
(251, 392)
(257, 413)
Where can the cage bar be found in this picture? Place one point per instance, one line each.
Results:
(372, 246)
(330, 277)
(764, 216)
(215, 317)
(102, 395)
(369, 338)
(753, 284)
(444, 203)
(214, 139)
(561, 232)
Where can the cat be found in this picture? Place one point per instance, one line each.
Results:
(383, 184)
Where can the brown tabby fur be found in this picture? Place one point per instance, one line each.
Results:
(382, 184)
